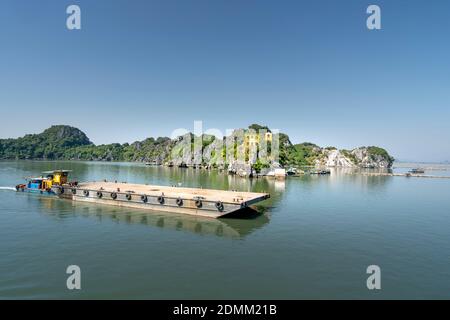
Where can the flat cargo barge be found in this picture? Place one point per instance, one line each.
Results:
(194, 201)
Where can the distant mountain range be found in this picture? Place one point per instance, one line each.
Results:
(61, 142)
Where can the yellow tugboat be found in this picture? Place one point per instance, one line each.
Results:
(49, 184)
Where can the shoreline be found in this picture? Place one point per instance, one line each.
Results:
(399, 165)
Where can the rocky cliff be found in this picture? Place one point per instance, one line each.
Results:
(366, 157)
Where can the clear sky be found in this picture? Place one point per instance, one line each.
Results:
(309, 68)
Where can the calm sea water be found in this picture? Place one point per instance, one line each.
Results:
(314, 238)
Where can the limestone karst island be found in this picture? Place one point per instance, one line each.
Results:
(62, 142)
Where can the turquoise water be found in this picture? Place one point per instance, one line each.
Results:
(314, 238)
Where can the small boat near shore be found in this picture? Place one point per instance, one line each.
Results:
(320, 172)
(194, 201)
(417, 170)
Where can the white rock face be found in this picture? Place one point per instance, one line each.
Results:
(359, 157)
(336, 159)
(368, 160)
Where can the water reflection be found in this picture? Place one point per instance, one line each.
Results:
(339, 177)
(233, 226)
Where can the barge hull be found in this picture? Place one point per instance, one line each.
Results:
(193, 201)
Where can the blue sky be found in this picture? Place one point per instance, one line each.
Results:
(309, 68)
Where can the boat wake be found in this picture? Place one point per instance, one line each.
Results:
(8, 188)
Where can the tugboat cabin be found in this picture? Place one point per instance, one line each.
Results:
(56, 177)
(52, 178)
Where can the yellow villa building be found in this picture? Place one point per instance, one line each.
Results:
(253, 138)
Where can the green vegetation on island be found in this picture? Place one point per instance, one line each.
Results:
(62, 142)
